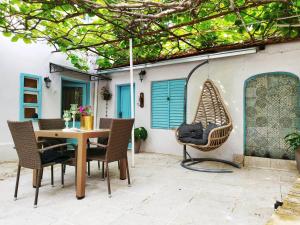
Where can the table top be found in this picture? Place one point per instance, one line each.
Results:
(72, 134)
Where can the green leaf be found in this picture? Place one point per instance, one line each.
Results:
(15, 38)
(7, 34)
(26, 40)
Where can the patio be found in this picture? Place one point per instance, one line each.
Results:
(211, 86)
(161, 193)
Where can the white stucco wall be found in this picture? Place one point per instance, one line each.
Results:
(16, 58)
(229, 74)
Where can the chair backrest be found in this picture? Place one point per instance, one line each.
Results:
(25, 144)
(119, 139)
(105, 123)
(51, 124)
(211, 108)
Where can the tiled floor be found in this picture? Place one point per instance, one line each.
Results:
(162, 193)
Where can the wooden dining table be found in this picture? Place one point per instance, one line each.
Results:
(82, 137)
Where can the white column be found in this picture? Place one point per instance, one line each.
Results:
(95, 103)
(131, 99)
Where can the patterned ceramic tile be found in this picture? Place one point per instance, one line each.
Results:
(271, 113)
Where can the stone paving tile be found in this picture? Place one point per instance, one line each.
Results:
(162, 193)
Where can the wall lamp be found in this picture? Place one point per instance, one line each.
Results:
(47, 81)
(142, 74)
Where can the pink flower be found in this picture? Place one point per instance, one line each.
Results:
(81, 109)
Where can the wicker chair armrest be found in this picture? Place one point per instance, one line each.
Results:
(216, 131)
(57, 146)
(97, 144)
(41, 141)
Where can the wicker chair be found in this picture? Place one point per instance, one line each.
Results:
(31, 156)
(56, 124)
(211, 109)
(117, 146)
(104, 123)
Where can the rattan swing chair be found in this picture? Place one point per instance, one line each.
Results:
(211, 109)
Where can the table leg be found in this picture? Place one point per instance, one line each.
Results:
(81, 168)
(123, 169)
(34, 172)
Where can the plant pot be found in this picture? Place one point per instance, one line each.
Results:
(87, 122)
(297, 156)
(137, 146)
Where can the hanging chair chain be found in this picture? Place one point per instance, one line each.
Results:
(208, 67)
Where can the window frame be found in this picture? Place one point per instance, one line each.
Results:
(23, 90)
(151, 107)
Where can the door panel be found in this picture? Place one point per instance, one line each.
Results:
(124, 101)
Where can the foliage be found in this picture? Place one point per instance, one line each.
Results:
(85, 110)
(105, 93)
(293, 140)
(161, 29)
(140, 133)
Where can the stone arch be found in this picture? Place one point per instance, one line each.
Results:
(271, 104)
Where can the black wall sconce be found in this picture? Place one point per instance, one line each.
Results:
(47, 81)
(142, 75)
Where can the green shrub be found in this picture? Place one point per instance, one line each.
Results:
(140, 133)
(293, 140)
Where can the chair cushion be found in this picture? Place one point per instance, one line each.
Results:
(191, 130)
(52, 156)
(97, 153)
(193, 141)
(103, 140)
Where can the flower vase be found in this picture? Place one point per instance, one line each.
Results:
(87, 122)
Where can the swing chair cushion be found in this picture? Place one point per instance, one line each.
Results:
(194, 133)
(191, 130)
(208, 129)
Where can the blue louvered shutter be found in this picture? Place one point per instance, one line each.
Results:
(160, 104)
(167, 103)
(176, 94)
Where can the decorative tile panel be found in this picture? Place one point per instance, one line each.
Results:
(271, 112)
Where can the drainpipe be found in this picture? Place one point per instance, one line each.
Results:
(131, 99)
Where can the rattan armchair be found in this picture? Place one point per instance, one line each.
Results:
(57, 124)
(117, 146)
(30, 154)
(104, 123)
(54, 124)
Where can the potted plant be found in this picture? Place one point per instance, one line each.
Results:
(105, 93)
(87, 118)
(140, 134)
(293, 140)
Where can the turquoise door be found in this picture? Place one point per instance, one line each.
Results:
(124, 101)
(74, 92)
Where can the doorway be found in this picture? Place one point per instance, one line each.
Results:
(74, 92)
(124, 101)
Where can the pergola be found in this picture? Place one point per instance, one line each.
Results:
(122, 33)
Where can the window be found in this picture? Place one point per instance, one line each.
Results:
(30, 96)
(167, 103)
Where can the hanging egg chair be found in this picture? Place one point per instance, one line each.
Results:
(211, 109)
